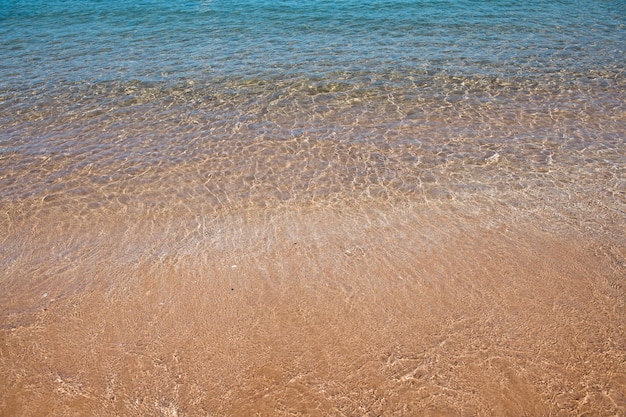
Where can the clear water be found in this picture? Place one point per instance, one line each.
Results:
(312, 207)
(221, 104)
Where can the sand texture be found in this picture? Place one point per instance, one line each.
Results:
(444, 309)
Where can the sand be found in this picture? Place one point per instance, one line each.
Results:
(443, 309)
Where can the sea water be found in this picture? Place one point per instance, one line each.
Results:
(221, 104)
(160, 111)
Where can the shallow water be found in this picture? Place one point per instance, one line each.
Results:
(263, 143)
(248, 103)
(319, 208)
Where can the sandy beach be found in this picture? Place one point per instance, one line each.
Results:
(449, 308)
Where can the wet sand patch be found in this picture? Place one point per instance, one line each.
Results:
(413, 310)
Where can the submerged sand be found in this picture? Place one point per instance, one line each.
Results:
(417, 309)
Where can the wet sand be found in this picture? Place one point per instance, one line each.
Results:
(455, 308)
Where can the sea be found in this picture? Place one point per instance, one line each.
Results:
(229, 104)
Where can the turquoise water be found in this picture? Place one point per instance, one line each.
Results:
(248, 102)
(159, 41)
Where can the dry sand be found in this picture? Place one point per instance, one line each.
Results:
(423, 309)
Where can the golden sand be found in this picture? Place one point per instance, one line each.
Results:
(414, 310)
